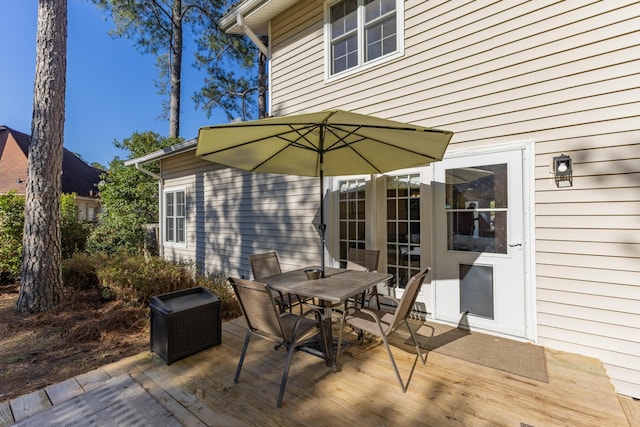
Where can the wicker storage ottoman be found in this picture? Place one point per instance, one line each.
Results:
(184, 322)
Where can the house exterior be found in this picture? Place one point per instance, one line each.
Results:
(77, 176)
(531, 221)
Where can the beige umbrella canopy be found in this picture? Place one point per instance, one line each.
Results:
(330, 143)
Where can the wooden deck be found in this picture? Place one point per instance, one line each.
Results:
(199, 390)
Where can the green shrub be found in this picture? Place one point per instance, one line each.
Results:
(11, 226)
(74, 232)
(117, 235)
(135, 279)
(80, 271)
(219, 285)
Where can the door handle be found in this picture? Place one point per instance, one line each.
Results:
(513, 245)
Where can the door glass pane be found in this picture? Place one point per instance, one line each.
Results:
(403, 227)
(477, 206)
(352, 219)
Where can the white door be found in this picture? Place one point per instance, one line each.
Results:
(479, 275)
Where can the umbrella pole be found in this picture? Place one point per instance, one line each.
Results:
(323, 226)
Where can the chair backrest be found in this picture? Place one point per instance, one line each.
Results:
(408, 299)
(264, 265)
(258, 307)
(363, 259)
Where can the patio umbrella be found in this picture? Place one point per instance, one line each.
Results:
(325, 143)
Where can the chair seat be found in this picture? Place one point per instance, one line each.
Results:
(289, 320)
(363, 321)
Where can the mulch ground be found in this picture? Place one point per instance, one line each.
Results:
(83, 333)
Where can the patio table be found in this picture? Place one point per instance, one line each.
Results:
(335, 288)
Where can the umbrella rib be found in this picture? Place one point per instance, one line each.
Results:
(341, 139)
(292, 143)
(280, 135)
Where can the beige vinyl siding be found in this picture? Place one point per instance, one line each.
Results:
(232, 214)
(564, 74)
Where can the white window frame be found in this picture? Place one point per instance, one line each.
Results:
(362, 65)
(165, 217)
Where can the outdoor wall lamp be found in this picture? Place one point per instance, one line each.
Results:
(562, 170)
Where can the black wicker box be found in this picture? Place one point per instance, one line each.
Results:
(185, 322)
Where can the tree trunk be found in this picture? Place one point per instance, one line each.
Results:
(262, 81)
(41, 278)
(176, 69)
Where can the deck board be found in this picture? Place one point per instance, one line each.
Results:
(29, 404)
(199, 390)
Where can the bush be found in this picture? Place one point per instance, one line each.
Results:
(117, 236)
(11, 226)
(133, 280)
(74, 233)
(79, 272)
(219, 285)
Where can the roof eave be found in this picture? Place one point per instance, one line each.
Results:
(164, 153)
(255, 13)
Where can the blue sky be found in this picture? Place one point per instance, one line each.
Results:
(110, 85)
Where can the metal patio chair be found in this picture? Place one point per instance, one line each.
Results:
(364, 260)
(267, 264)
(264, 319)
(382, 323)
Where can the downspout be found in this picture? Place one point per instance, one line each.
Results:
(249, 32)
(160, 190)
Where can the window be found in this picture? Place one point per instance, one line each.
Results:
(352, 216)
(361, 31)
(175, 216)
(403, 227)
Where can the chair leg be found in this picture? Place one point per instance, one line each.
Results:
(415, 341)
(285, 374)
(241, 361)
(393, 362)
(338, 350)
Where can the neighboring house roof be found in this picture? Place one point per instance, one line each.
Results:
(77, 176)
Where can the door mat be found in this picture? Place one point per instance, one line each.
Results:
(120, 402)
(518, 358)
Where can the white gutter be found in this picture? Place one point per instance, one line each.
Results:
(249, 32)
(148, 172)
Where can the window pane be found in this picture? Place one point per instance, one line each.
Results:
(389, 45)
(169, 204)
(169, 232)
(361, 210)
(377, 8)
(180, 230)
(381, 39)
(374, 42)
(389, 36)
(180, 204)
(387, 6)
(361, 231)
(344, 18)
(345, 54)
(485, 185)
(371, 10)
(339, 64)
